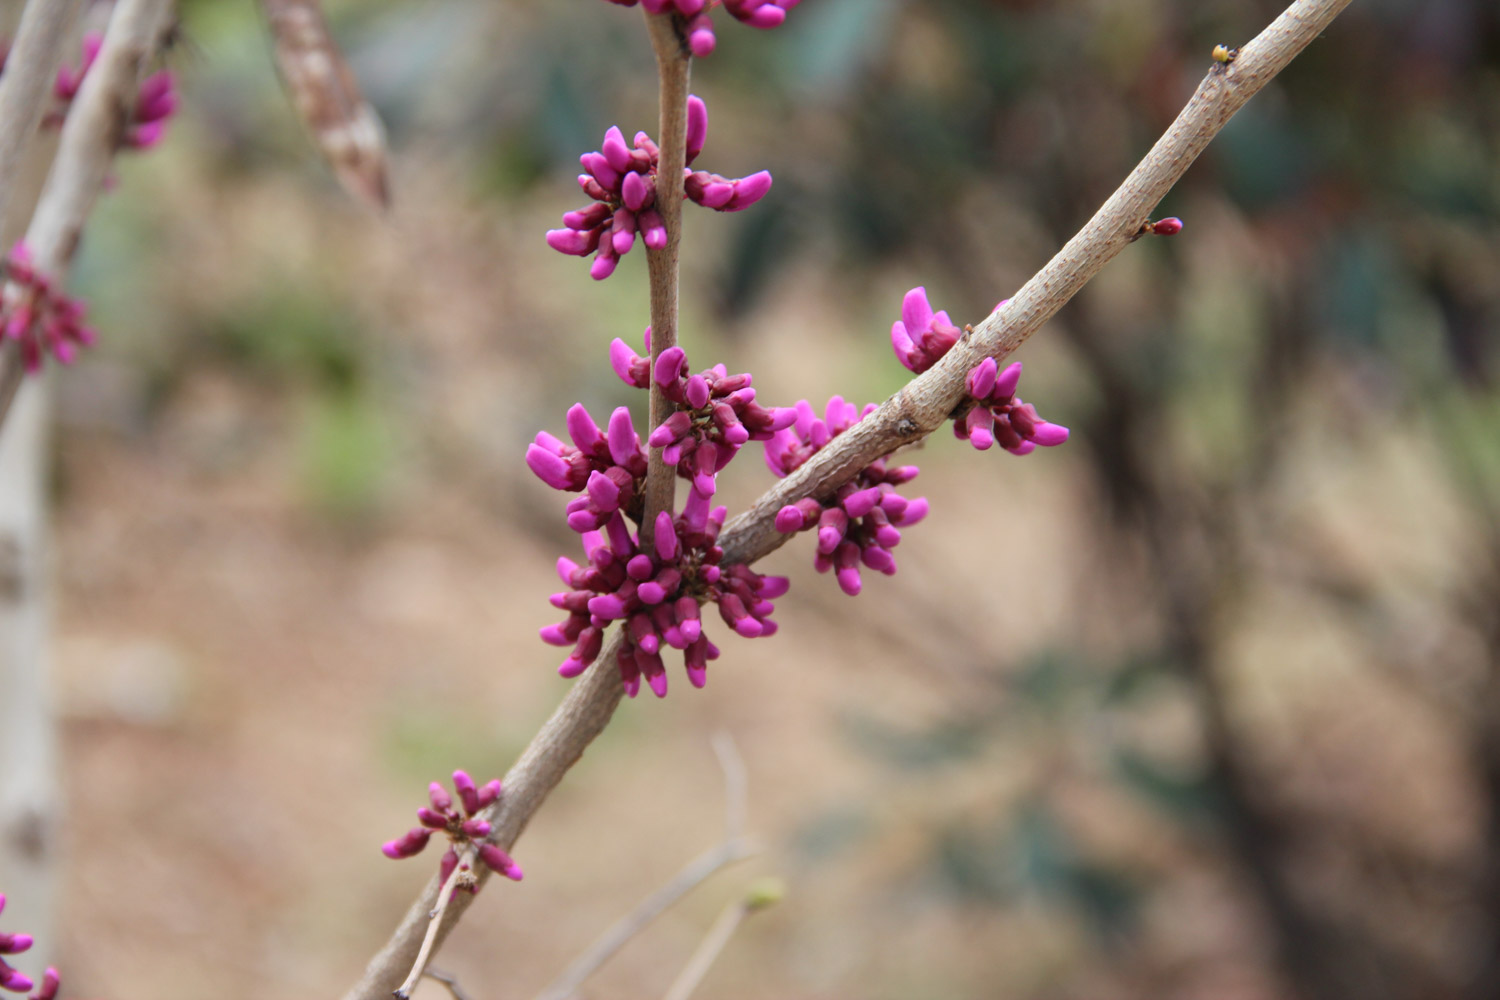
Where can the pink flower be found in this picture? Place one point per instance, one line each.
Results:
(156, 100)
(40, 318)
(462, 829)
(921, 337)
(11, 979)
(861, 522)
(621, 179)
(698, 26)
(655, 595)
(717, 412)
(606, 466)
(1001, 417)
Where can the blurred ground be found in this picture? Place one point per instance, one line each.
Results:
(301, 562)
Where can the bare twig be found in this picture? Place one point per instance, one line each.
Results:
(673, 64)
(756, 899)
(449, 980)
(736, 846)
(327, 96)
(464, 868)
(91, 134)
(912, 413)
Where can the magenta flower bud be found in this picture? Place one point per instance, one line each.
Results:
(603, 266)
(916, 311)
(14, 944)
(640, 567)
(477, 828)
(615, 152)
(1006, 382)
(603, 491)
(670, 364)
(701, 39)
(635, 191)
(622, 235)
(432, 818)
(407, 846)
(665, 538)
(696, 391)
(12, 979)
(861, 502)
(653, 229)
(623, 441)
(1169, 226)
(697, 124)
(549, 467)
(50, 983)
(556, 635)
(600, 169)
(915, 511)
(610, 607)
(1049, 435)
(587, 218)
(468, 793)
(981, 381)
(499, 862)
(749, 190)
(488, 793)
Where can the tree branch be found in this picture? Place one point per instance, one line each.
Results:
(918, 409)
(91, 134)
(673, 65)
(734, 847)
(30, 69)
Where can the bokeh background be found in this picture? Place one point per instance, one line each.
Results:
(1205, 704)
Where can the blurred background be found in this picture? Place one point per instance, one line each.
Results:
(1205, 704)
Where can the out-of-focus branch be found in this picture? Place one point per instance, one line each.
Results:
(30, 68)
(327, 96)
(914, 412)
(92, 133)
(691, 977)
(736, 846)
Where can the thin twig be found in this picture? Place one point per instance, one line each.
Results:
(913, 412)
(673, 63)
(91, 134)
(735, 847)
(449, 980)
(464, 867)
(709, 950)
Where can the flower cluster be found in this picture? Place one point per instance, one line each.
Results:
(607, 466)
(656, 592)
(861, 522)
(994, 414)
(920, 337)
(39, 317)
(716, 412)
(14, 981)
(622, 181)
(1000, 417)
(155, 101)
(463, 830)
(698, 25)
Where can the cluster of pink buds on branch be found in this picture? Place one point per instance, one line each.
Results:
(994, 413)
(622, 181)
(464, 830)
(716, 412)
(14, 981)
(861, 522)
(155, 101)
(698, 25)
(38, 316)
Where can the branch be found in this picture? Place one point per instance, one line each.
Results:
(30, 69)
(761, 895)
(673, 65)
(91, 134)
(735, 847)
(906, 417)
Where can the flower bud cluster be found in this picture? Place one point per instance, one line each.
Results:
(1000, 417)
(656, 593)
(621, 179)
(607, 466)
(155, 101)
(698, 26)
(996, 414)
(39, 317)
(921, 337)
(861, 522)
(462, 828)
(716, 412)
(10, 978)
